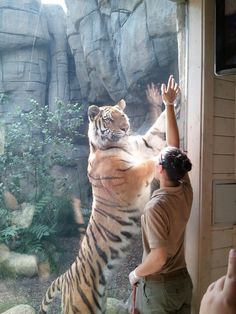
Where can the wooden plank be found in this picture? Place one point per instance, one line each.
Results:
(223, 145)
(194, 141)
(205, 196)
(224, 126)
(223, 164)
(222, 238)
(224, 108)
(230, 78)
(218, 272)
(219, 257)
(223, 176)
(221, 227)
(234, 237)
(235, 128)
(224, 89)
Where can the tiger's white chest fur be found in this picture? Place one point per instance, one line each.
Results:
(120, 163)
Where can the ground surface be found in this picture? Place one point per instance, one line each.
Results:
(32, 290)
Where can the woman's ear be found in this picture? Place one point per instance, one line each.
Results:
(161, 168)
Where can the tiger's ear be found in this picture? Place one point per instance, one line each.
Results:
(121, 104)
(93, 111)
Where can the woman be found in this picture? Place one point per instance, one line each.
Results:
(165, 285)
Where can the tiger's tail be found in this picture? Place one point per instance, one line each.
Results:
(52, 292)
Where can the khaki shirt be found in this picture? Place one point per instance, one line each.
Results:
(164, 221)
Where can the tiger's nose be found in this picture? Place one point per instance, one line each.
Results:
(125, 128)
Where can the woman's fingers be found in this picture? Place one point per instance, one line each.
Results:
(169, 85)
(176, 87)
(172, 83)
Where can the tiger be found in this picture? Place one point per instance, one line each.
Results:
(120, 169)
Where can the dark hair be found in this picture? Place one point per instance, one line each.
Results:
(176, 163)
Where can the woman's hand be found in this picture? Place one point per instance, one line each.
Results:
(170, 92)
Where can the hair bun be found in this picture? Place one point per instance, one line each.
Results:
(177, 163)
(187, 166)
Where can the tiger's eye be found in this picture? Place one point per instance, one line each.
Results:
(108, 119)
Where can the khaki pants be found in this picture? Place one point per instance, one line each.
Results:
(172, 296)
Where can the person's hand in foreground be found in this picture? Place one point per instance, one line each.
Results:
(220, 297)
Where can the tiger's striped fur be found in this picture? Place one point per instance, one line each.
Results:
(120, 169)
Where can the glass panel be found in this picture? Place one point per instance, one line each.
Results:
(53, 66)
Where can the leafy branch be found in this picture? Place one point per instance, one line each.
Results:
(34, 143)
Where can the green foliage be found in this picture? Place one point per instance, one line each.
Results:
(34, 143)
(41, 231)
(9, 233)
(3, 97)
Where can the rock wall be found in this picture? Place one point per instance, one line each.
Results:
(120, 46)
(100, 52)
(24, 60)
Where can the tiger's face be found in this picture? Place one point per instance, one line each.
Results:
(108, 123)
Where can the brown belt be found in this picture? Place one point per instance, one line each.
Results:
(167, 276)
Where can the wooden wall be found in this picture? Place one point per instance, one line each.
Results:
(211, 146)
(223, 237)
(224, 128)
